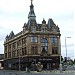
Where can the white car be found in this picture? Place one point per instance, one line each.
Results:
(73, 66)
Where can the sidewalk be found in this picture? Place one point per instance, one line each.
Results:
(48, 72)
(13, 72)
(54, 71)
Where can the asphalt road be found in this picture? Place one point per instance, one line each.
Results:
(4, 72)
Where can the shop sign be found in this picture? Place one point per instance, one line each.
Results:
(45, 59)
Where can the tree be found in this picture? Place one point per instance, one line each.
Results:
(74, 61)
(62, 58)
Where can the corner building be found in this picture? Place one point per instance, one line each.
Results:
(35, 43)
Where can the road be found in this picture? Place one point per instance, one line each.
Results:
(4, 72)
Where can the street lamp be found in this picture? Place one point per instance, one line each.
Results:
(66, 48)
(60, 66)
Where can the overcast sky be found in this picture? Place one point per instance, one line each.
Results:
(14, 13)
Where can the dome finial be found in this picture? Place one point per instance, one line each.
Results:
(31, 2)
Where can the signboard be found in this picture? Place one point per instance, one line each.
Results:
(45, 59)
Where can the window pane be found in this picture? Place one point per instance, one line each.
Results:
(54, 50)
(23, 40)
(44, 40)
(44, 45)
(33, 29)
(44, 30)
(46, 48)
(54, 40)
(33, 39)
(14, 45)
(34, 50)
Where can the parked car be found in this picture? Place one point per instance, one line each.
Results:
(64, 67)
(73, 66)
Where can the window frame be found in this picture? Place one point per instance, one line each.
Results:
(34, 39)
(43, 29)
(54, 40)
(55, 51)
(33, 29)
(44, 44)
(34, 50)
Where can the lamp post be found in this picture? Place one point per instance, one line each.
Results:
(60, 66)
(66, 48)
(19, 60)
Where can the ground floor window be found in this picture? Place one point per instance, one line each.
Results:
(55, 65)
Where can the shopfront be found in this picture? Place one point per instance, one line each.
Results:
(49, 63)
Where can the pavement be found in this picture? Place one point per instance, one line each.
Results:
(53, 72)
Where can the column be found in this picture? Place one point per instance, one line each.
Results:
(7, 50)
(49, 46)
(28, 44)
(39, 44)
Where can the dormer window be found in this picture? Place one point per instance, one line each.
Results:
(43, 29)
(33, 29)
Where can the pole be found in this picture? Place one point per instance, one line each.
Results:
(19, 60)
(60, 55)
(66, 50)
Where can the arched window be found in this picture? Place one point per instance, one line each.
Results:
(44, 43)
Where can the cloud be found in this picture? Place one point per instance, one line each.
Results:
(13, 5)
(70, 52)
(1, 38)
(1, 47)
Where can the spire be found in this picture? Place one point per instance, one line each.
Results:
(31, 2)
(43, 22)
(31, 14)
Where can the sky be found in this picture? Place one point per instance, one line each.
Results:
(14, 13)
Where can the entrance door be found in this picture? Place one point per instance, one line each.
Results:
(44, 66)
(48, 66)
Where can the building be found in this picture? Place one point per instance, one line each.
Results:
(1, 61)
(35, 43)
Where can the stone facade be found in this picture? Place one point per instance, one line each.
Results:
(35, 43)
